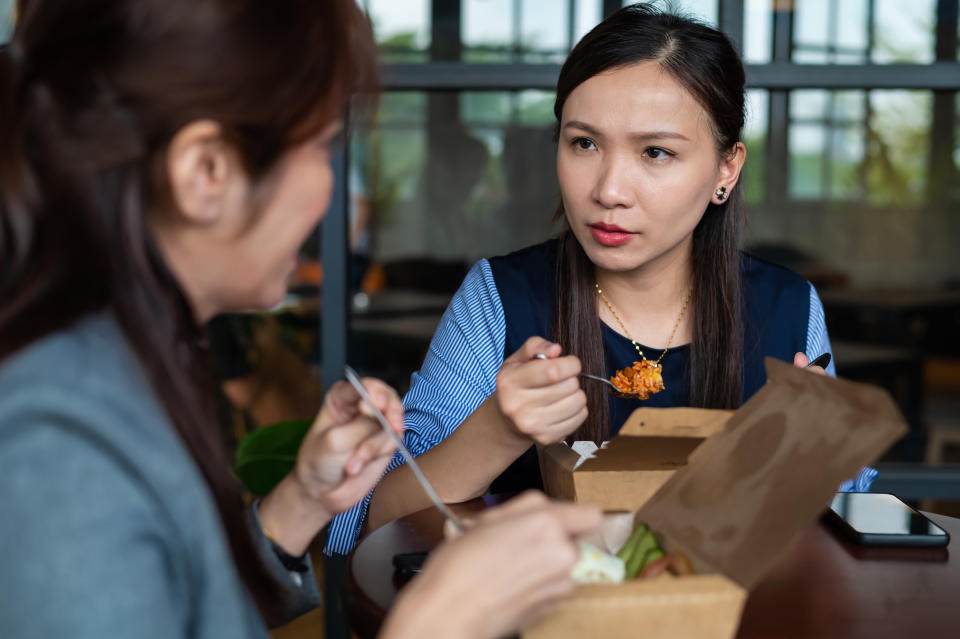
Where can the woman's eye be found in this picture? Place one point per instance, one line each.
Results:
(656, 153)
(584, 144)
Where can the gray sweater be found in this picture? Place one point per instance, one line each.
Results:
(108, 529)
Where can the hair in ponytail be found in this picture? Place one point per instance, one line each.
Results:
(82, 150)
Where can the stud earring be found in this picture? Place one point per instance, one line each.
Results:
(721, 193)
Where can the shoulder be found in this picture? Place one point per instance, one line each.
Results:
(99, 472)
(91, 358)
(533, 262)
(526, 282)
(84, 384)
(769, 284)
(87, 375)
(758, 271)
(527, 275)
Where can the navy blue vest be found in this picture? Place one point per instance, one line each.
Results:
(776, 305)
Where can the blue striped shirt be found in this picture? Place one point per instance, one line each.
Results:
(466, 353)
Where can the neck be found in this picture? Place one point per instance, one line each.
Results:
(648, 299)
(187, 274)
(662, 282)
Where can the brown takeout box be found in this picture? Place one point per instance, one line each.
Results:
(730, 489)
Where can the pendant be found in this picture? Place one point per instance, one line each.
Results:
(642, 379)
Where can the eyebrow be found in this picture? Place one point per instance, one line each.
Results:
(640, 135)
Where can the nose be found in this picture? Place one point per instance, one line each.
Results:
(614, 187)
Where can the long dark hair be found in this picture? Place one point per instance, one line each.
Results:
(91, 93)
(706, 64)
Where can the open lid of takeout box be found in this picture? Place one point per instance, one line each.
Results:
(657, 438)
(748, 490)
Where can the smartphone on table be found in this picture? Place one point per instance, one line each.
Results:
(881, 519)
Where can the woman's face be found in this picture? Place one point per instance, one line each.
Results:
(297, 199)
(233, 244)
(637, 164)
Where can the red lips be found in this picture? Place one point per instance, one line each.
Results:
(609, 234)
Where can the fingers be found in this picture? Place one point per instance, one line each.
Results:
(352, 489)
(577, 519)
(343, 403)
(523, 502)
(551, 433)
(533, 410)
(544, 415)
(385, 398)
(377, 445)
(559, 430)
(515, 561)
(535, 345)
(539, 373)
(340, 404)
(345, 453)
(514, 398)
(800, 360)
(541, 398)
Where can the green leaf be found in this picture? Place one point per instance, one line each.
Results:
(266, 455)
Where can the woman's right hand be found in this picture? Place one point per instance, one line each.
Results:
(339, 461)
(541, 399)
(499, 576)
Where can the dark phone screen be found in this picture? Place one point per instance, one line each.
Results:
(881, 514)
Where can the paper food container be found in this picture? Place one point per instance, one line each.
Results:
(652, 444)
(732, 491)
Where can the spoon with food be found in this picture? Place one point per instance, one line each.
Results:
(638, 381)
(644, 378)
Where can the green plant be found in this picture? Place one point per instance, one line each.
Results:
(266, 455)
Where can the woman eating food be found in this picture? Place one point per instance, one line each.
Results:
(162, 161)
(646, 285)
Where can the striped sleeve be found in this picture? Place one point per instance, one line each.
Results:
(861, 483)
(818, 343)
(458, 374)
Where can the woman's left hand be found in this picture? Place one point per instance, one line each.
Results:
(800, 360)
(340, 460)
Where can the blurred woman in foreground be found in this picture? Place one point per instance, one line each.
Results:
(161, 161)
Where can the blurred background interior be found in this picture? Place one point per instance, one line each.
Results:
(853, 134)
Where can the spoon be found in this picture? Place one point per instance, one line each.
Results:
(822, 360)
(600, 379)
(613, 389)
(454, 520)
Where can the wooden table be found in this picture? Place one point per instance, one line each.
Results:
(824, 588)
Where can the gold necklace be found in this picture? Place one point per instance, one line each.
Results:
(683, 310)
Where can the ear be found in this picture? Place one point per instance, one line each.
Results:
(202, 167)
(730, 166)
